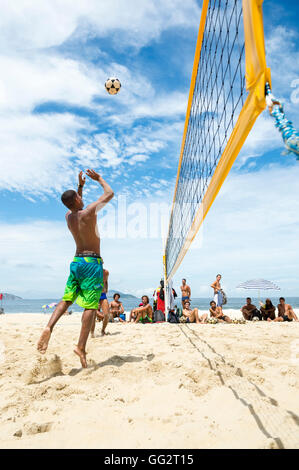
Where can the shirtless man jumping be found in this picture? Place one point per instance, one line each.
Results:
(285, 312)
(102, 314)
(186, 292)
(85, 282)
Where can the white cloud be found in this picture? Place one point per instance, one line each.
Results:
(36, 152)
(251, 231)
(35, 259)
(30, 24)
(138, 159)
(264, 137)
(26, 82)
(282, 57)
(37, 149)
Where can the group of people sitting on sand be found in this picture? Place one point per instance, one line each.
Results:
(267, 311)
(216, 312)
(250, 312)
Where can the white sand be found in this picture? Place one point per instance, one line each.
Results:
(150, 386)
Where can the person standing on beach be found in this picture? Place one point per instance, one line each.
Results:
(159, 296)
(102, 314)
(186, 291)
(85, 282)
(216, 286)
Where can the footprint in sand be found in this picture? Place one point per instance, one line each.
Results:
(44, 368)
(37, 428)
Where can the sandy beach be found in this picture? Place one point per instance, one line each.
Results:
(149, 386)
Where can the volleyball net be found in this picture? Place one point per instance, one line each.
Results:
(227, 93)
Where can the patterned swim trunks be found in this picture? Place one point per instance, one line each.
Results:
(85, 282)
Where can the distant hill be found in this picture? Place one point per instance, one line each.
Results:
(110, 294)
(122, 295)
(10, 296)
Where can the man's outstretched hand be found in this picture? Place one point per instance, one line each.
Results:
(93, 175)
(81, 178)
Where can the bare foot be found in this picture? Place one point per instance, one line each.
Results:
(82, 356)
(42, 345)
(104, 333)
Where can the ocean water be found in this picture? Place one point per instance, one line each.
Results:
(35, 305)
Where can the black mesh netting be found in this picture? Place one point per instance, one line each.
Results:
(218, 98)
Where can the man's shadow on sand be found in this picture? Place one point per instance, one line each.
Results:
(115, 360)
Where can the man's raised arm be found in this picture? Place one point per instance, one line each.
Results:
(106, 197)
(81, 183)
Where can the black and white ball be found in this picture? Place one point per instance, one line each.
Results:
(112, 85)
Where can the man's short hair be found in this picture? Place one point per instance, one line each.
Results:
(218, 275)
(116, 293)
(68, 198)
(212, 302)
(248, 298)
(282, 298)
(183, 279)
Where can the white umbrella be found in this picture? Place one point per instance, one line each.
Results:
(258, 284)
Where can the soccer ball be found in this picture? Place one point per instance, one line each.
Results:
(112, 85)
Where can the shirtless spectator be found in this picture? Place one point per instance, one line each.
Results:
(102, 314)
(217, 312)
(192, 316)
(116, 308)
(216, 286)
(285, 312)
(186, 292)
(143, 313)
(268, 310)
(250, 311)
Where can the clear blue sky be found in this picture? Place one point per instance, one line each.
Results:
(56, 118)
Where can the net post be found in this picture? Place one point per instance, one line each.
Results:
(255, 76)
(166, 288)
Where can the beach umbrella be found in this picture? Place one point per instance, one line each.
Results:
(258, 284)
(46, 306)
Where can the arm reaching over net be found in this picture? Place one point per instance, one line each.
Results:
(106, 197)
(289, 134)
